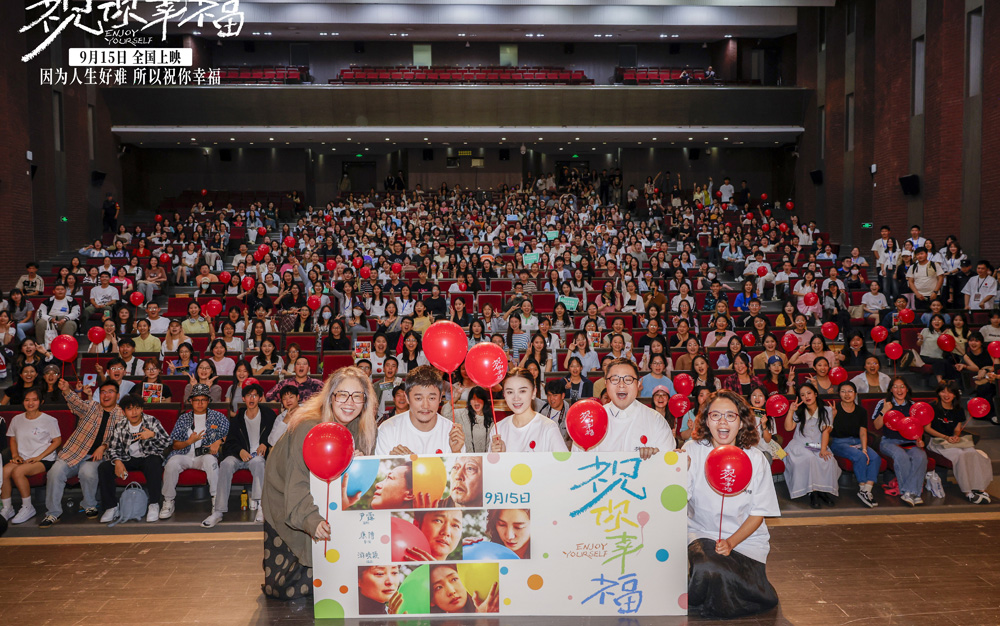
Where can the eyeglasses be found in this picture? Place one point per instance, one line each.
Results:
(117, 369)
(622, 380)
(343, 396)
(718, 416)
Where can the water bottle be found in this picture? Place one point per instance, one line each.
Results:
(244, 502)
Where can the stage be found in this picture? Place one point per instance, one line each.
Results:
(937, 569)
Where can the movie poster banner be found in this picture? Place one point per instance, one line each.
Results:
(508, 534)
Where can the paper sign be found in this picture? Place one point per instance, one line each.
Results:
(530, 258)
(570, 302)
(362, 350)
(552, 234)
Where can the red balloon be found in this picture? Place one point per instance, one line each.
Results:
(258, 255)
(725, 206)
(331, 265)
(729, 224)
(314, 302)
(763, 196)
(262, 231)
(910, 429)
(328, 218)
(486, 364)
(922, 413)
(790, 205)
(290, 241)
(906, 316)
(830, 330)
(810, 298)
(213, 308)
(679, 405)
(765, 227)
(894, 350)
(979, 407)
(445, 345)
(158, 218)
(767, 212)
(136, 298)
(748, 340)
(463, 286)
(248, 283)
(783, 227)
(65, 348)
(357, 262)
(789, 343)
(397, 268)
(683, 384)
(777, 405)
(700, 206)
(263, 249)
(892, 419)
(879, 334)
(405, 536)
(96, 334)
(164, 258)
(365, 272)
(586, 421)
(728, 470)
(225, 277)
(249, 380)
(838, 375)
(327, 450)
(749, 217)
(204, 192)
(946, 343)
(761, 271)
(718, 194)
(994, 349)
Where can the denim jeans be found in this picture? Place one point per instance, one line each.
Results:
(23, 327)
(55, 484)
(865, 470)
(910, 465)
(229, 466)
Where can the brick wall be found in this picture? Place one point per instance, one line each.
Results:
(865, 97)
(808, 145)
(989, 225)
(833, 187)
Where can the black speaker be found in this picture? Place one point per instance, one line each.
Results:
(225, 154)
(505, 154)
(816, 176)
(675, 48)
(694, 154)
(428, 154)
(249, 46)
(359, 47)
(97, 178)
(568, 48)
(910, 185)
(34, 168)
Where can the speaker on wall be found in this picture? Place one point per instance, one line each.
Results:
(816, 176)
(694, 154)
(505, 154)
(97, 178)
(359, 47)
(910, 185)
(428, 154)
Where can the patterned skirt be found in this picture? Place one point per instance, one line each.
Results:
(724, 587)
(285, 578)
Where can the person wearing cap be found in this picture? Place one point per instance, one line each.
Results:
(196, 441)
(656, 377)
(48, 386)
(246, 447)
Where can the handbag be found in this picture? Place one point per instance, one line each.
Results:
(857, 311)
(965, 441)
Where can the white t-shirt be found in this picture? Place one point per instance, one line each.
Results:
(636, 427)
(279, 428)
(253, 431)
(60, 308)
(978, 289)
(541, 431)
(727, 192)
(398, 430)
(33, 436)
(704, 503)
(134, 448)
(104, 295)
(200, 424)
(225, 367)
(874, 303)
(158, 326)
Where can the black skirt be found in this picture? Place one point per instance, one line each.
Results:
(725, 587)
(285, 578)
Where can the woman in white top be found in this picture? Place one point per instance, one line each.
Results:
(810, 467)
(34, 437)
(224, 365)
(874, 303)
(728, 577)
(525, 430)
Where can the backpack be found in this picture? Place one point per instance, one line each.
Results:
(132, 504)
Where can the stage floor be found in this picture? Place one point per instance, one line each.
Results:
(938, 569)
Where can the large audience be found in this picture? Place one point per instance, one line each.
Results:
(591, 287)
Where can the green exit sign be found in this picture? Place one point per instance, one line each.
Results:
(866, 225)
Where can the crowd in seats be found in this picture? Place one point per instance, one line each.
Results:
(264, 75)
(455, 75)
(665, 76)
(358, 282)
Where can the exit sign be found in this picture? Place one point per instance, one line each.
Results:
(866, 225)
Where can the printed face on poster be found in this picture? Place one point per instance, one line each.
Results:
(510, 534)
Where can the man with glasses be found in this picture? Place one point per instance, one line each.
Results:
(246, 447)
(632, 426)
(420, 430)
(115, 373)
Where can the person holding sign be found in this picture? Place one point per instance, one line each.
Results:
(525, 430)
(632, 426)
(728, 539)
(421, 430)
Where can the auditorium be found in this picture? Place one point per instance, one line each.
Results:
(299, 299)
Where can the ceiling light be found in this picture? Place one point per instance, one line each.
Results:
(425, 138)
(539, 139)
(461, 34)
(387, 139)
(334, 34)
(663, 35)
(675, 35)
(267, 34)
(366, 148)
(193, 139)
(654, 138)
(270, 138)
(348, 138)
(728, 36)
(322, 34)
(503, 139)
(529, 34)
(256, 33)
(598, 35)
(593, 148)
(690, 138)
(725, 138)
(197, 32)
(640, 143)
(234, 139)
(560, 148)
(539, 34)
(609, 35)
(577, 139)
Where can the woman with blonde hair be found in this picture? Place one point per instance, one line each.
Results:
(291, 517)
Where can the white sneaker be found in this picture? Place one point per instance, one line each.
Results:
(7, 512)
(27, 512)
(167, 511)
(153, 513)
(254, 505)
(259, 519)
(212, 520)
(109, 515)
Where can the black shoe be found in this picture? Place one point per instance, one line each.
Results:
(814, 501)
(92, 513)
(826, 498)
(49, 521)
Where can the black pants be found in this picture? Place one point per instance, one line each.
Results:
(150, 466)
(726, 587)
(110, 225)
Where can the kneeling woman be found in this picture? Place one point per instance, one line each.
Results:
(291, 517)
(727, 577)
(526, 430)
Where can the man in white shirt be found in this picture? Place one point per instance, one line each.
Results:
(980, 291)
(421, 430)
(782, 280)
(31, 284)
(834, 277)
(102, 297)
(61, 310)
(632, 426)
(157, 325)
(915, 238)
(925, 278)
(126, 350)
(727, 190)
(881, 246)
(751, 273)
